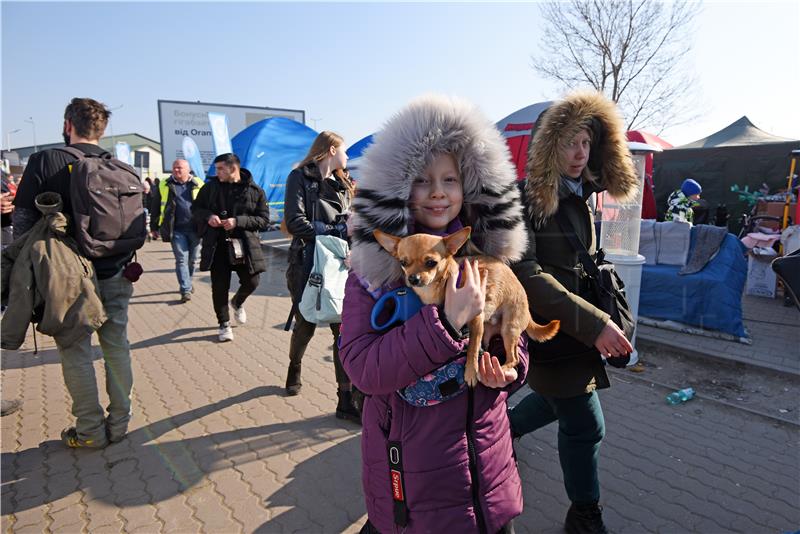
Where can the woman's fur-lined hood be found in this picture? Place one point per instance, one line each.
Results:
(429, 126)
(610, 166)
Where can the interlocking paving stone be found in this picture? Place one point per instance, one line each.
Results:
(215, 446)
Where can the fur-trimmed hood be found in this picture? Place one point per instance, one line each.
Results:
(428, 126)
(610, 166)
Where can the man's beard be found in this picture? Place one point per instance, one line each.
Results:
(65, 135)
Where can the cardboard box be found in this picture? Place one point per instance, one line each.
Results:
(774, 209)
(761, 279)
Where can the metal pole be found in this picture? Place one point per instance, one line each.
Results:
(33, 126)
(8, 138)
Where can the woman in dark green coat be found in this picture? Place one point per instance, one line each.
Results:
(578, 148)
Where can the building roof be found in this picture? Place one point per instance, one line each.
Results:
(135, 140)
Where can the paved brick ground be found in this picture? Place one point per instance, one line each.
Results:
(215, 446)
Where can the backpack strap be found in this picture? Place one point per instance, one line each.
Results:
(72, 151)
(80, 154)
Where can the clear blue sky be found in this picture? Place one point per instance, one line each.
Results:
(352, 65)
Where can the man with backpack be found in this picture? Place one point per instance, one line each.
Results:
(171, 216)
(109, 242)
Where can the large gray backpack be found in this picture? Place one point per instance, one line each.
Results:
(106, 197)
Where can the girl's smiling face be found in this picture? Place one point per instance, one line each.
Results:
(437, 195)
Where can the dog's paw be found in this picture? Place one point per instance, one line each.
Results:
(471, 376)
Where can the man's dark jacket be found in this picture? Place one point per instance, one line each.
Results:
(246, 202)
(165, 223)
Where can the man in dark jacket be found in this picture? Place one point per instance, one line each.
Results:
(171, 216)
(85, 122)
(6, 208)
(9, 189)
(230, 211)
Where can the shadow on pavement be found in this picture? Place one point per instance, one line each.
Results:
(140, 471)
(20, 359)
(178, 336)
(142, 295)
(322, 493)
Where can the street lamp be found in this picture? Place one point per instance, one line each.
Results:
(315, 122)
(33, 125)
(8, 138)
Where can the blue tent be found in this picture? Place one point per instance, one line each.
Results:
(270, 149)
(356, 149)
(354, 154)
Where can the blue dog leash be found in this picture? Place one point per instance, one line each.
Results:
(440, 385)
(405, 304)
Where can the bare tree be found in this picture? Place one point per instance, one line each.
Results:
(634, 51)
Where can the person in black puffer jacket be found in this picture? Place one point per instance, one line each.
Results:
(231, 206)
(317, 202)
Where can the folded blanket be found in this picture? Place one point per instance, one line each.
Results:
(672, 240)
(647, 242)
(707, 240)
(759, 239)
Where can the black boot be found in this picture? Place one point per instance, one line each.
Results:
(585, 519)
(345, 408)
(293, 382)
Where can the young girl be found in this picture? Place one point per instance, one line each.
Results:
(317, 203)
(437, 166)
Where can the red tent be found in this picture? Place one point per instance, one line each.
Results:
(516, 128)
(648, 198)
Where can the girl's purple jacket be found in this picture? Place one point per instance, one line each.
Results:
(435, 439)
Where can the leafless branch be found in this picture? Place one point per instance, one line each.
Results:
(632, 50)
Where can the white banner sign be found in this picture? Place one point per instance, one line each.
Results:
(190, 119)
(219, 133)
(192, 155)
(122, 151)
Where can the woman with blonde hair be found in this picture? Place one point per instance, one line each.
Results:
(317, 202)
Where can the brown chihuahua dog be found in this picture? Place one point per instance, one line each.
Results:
(428, 263)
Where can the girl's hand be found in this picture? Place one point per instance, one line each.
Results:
(463, 303)
(491, 374)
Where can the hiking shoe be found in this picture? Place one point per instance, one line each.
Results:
(186, 297)
(239, 314)
(7, 407)
(225, 332)
(585, 519)
(70, 438)
(114, 438)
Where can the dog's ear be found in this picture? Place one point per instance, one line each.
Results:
(389, 242)
(456, 240)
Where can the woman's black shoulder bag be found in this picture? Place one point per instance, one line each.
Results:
(607, 287)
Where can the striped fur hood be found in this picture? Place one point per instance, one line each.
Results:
(610, 167)
(408, 142)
